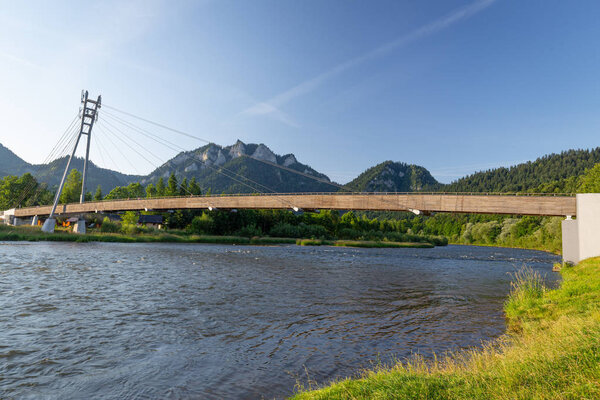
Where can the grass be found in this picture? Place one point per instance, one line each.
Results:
(551, 351)
(34, 234)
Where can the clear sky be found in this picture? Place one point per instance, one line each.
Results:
(453, 85)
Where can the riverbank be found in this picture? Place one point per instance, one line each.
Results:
(551, 351)
(34, 234)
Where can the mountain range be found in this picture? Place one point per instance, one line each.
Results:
(246, 168)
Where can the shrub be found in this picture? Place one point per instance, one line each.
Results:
(130, 229)
(313, 231)
(109, 227)
(284, 229)
(202, 225)
(349, 233)
(250, 231)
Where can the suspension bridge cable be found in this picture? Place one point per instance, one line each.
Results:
(344, 187)
(65, 137)
(142, 131)
(158, 124)
(132, 140)
(149, 152)
(96, 144)
(32, 185)
(50, 155)
(218, 170)
(114, 135)
(100, 143)
(156, 139)
(180, 185)
(117, 148)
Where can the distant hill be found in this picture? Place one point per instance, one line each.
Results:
(241, 168)
(392, 176)
(9, 161)
(530, 175)
(11, 164)
(108, 179)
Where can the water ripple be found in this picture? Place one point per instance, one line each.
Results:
(154, 321)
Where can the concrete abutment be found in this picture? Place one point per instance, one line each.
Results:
(581, 236)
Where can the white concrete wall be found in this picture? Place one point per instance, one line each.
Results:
(588, 225)
(581, 237)
(570, 241)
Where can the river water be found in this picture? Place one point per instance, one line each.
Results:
(117, 321)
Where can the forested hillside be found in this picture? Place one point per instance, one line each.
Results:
(532, 175)
(392, 176)
(9, 161)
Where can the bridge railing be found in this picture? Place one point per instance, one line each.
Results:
(515, 194)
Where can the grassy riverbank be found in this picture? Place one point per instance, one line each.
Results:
(551, 351)
(34, 234)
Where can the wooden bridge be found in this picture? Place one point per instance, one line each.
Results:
(546, 205)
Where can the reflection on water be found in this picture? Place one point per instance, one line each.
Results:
(206, 321)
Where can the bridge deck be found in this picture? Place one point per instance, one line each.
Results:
(452, 203)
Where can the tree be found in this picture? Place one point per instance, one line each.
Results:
(130, 218)
(136, 190)
(589, 182)
(132, 191)
(129, 223)
(349, 219)
(151, 191)
(172, 185)
(98, 194)
(202, 224)
(160, 187)
(194, 188)
(72, 188)
(183, 189)
(15, 191)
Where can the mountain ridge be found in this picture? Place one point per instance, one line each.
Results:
(242, 168)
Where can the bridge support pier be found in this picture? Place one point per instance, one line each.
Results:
(79, 227)
(49, 225)
(581, 236)
(34, 220)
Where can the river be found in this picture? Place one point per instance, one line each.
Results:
(117, 321)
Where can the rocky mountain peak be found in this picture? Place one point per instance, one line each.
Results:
(262, 152)
(238, 149)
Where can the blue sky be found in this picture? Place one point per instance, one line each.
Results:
(455, 86)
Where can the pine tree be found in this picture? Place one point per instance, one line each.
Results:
(150, 191)
(172, 185)
(194, 188)
(98, 195)
(160, 188)
(183, 189)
